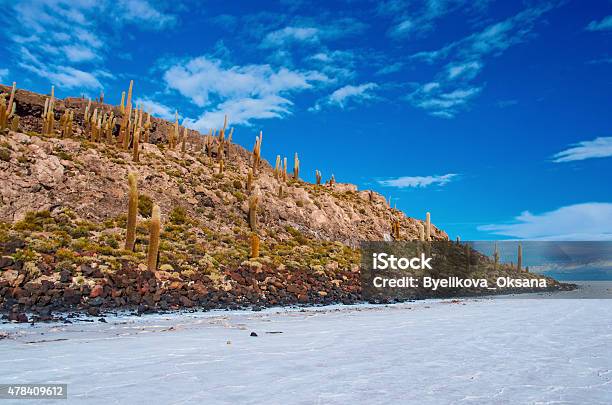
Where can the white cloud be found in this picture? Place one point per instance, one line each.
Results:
(156, 109)
(203, 77)
(604, 25)
(79, 53)
(66, 41)
(244, 92)
(342, 96)
(66, 76)
(418, 181)
(433, 98)
(391, 68)
(598, 148)
(412, 18)
(312, 33)
(403, 28)
(4, 75)
(338, 65)
(288, 35)
(142, 12)
(466, 70)
(241, 111)
(466, 58)
(587, 221)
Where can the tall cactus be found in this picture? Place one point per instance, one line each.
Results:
(130, 237)
(49, 115)
(421, 232)
(3, 113)
(136, 146)
(122, 105)
(428, 226)
(229, 142)
(296, 167)
(10, 106)
(125, 129)
(277, 167)
(395, 229)
(129, 97)
(147, 128)
(15, 123)
(318, 177)
(8, 110)
(495, 257)
(254, 246)
(253, 200)
(154, 230)
(174, 132)
(519, 259)
(285, 169)
(249, 183)
(257, 152)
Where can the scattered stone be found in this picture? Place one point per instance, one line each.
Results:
(253, 334)
(65, 276)
(96, 291)
(19, 317)
(6, 262)
(96, 302)
(93, 311)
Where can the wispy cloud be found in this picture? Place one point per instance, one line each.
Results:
(342, 96)
(156, 108)
(597, 148)
(67, 41)
(432, 98)
(464, 60)
(142, 12)
(604, 25)
(288, 35)
(312, 33)
(244, 92)
(242, 111)
(417, 181)
(464, 70)
(338, 65)
(416, 18)
(587, 221)
(390, 68)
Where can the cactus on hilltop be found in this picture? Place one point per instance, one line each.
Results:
(254, 246)
(296, 167)
(253, 200)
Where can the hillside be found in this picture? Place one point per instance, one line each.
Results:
(64, 204)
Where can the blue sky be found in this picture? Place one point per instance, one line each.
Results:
(493, 116)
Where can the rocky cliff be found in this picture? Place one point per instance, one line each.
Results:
(64, 200)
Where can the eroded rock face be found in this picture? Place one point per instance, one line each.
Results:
(47, 169)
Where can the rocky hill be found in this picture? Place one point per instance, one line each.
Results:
(64, 204)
